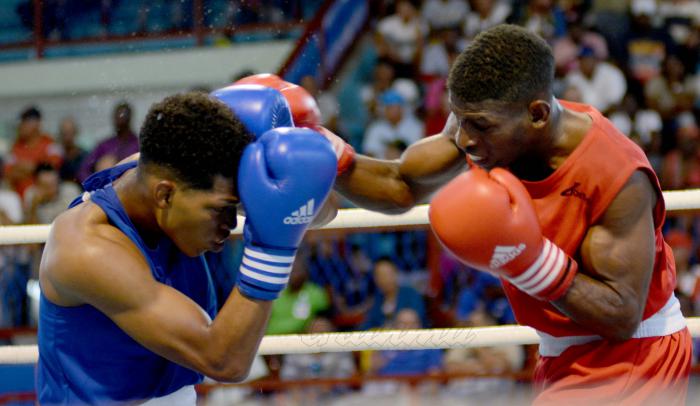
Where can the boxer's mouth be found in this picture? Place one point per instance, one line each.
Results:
(475, 158)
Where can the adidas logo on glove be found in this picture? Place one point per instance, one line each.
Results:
(302, 216)
(504, 254)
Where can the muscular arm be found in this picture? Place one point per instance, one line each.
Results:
(396, 186)
(157, 316)
(620, 252)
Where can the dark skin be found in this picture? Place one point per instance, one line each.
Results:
(157, 316)
(532, 140)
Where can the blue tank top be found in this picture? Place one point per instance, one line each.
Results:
(84, 358)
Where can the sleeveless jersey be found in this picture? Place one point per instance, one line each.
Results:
(573, 199)
(84, 357)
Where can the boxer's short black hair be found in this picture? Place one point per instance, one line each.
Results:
(194, 136)
(505, 63)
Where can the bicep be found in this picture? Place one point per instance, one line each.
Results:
(157, 316)
(620, 250)
(430, 163)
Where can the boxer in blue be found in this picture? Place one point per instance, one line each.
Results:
(127, 307)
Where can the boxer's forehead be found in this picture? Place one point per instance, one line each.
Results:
(486, 109)
(224, 190)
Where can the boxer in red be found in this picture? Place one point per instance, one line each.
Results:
(559, 204)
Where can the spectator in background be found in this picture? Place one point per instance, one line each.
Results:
(299, 303)
(681, 165)
(567, 49)
(647, 130)
(395, 124)
(49, 196)
(441, 51)
(31, 147)
(481, 360)
(320, 365)
(382, 80)
(681, 21)
(411, 362)
(11, 211)
(350, 282)
(123, 143)
(400, 38)
(485, 14)
(444, 14)
(673, 91)
(391, 297)
(602, 84)
(646, 45)
(543, 17)
(14, 267)
(72, 153)
(688, 47)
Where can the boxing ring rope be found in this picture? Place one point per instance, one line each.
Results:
(364, 340)
(677, 200)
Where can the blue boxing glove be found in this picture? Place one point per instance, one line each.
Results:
(284, 177)
(260, 108)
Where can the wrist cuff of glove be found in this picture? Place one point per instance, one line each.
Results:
(346, 159)
(344, 152)
(550, 276)
(264, 272)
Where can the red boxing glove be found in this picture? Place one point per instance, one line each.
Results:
(305, 113)
(488, 221)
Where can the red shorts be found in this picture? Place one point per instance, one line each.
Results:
(639, 371)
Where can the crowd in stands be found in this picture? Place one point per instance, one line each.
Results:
(636, 61)
(64, 20)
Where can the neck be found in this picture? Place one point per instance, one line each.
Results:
(537, 163)
(564, 132)
(124, 132)
(132, 190)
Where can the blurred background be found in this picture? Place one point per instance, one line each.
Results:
(77, 78)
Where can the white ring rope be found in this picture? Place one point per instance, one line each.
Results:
(676, 200)
(364, 340)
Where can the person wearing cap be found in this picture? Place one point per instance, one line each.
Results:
(393, 124)
(32, 146)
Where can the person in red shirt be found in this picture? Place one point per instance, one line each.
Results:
(560, 205)
(31, 148)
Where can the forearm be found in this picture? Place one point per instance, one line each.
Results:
(235, 334)
(377, 185)
(600, 308)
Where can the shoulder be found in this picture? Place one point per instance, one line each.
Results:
(412, 123)
(636, 198)
(46, 139)
(388, 23)
(378, 127)
(105, 143)
(638, 188)
(83, 252)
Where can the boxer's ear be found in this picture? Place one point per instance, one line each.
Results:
(540, 112)
(163, 193)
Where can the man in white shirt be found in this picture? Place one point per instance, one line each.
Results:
(395, 123)
(601, 84)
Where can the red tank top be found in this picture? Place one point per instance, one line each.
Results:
(573, 198)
